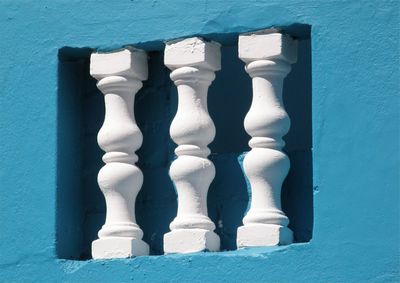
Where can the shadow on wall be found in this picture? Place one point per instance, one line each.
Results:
(80, 203)
(69, 226)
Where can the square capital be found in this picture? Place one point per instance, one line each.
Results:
(267, 46)
(193, 52)
(129, 62)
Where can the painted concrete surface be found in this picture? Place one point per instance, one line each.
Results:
(355, 138)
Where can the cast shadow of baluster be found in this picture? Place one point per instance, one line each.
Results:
(156, 204)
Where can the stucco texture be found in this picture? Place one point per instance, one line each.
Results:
(355, 136)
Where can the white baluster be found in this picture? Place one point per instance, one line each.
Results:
(193, 63)
(119, 76)
(268, 57)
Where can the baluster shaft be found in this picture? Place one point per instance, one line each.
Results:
(119, 76)
(193, 63)
(268, 57)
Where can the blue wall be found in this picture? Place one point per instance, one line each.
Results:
(355, 138)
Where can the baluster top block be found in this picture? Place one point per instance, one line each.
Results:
(130, 62)
(267, 46)
(194, 52)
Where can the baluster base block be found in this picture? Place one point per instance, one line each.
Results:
(262, 235)
(191, 241)
(117, 247)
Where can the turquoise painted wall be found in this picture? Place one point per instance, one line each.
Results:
(355, 137)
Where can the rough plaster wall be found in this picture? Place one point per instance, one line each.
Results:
(355, 136)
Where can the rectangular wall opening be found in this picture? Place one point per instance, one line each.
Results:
(80, 203)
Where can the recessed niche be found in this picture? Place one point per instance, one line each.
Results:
(80, 203)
